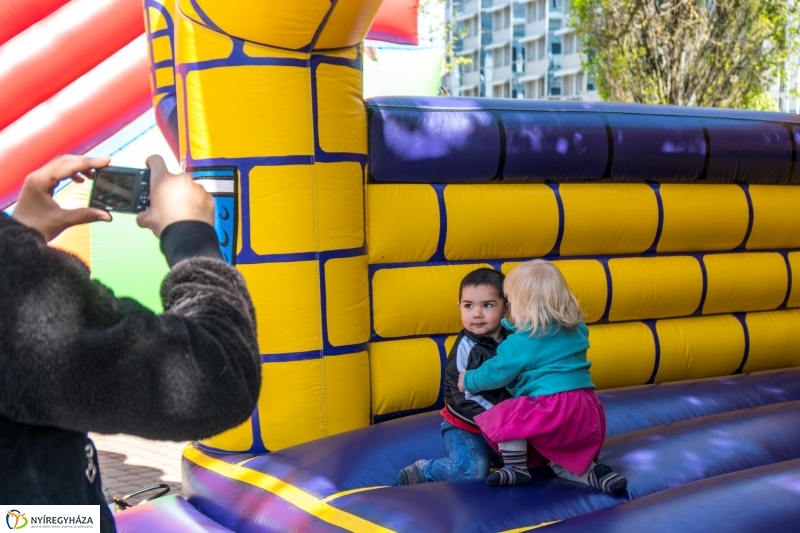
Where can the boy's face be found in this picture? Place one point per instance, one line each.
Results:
(482, 309)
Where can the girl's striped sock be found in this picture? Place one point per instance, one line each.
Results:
(515, 471)
(603, 478)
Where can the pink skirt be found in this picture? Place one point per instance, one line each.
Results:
(567, 428)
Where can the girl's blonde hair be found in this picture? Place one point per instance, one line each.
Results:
(540, 297)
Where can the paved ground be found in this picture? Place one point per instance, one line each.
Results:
(130, 463)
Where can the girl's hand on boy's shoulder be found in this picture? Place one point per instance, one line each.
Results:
(461, 382)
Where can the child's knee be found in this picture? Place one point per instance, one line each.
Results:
(473, 468)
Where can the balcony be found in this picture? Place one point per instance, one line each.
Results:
(536, 27)
(471, 78)
(538, 66)
(571, 61)
(492, 5)
(501, 36)
(500, 73)
(469, 6)
(471, 43)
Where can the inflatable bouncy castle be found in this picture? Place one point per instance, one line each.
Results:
(678, 229)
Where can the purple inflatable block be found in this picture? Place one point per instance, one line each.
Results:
(165, 515)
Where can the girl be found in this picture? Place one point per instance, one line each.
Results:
(543, 364)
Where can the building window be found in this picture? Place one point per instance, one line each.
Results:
(501, 91)
(555, 48)
(569, 46)
(555, 86)
(579, 82)
(542, 48)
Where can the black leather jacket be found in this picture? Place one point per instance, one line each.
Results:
(455, 401)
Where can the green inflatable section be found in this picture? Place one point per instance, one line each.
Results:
(126, 258)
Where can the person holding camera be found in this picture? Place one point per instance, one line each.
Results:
(74, 358)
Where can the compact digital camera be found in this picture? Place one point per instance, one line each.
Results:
(121, 189)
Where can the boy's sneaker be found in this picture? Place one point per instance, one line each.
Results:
(411, 474)
(603, 478)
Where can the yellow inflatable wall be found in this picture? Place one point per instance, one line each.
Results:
(355, 318)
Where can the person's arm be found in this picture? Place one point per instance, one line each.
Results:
(36, 207)
(498, 371)
(76, 357)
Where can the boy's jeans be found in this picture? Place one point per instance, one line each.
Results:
(469, 456)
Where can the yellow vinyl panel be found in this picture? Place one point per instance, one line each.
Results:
(505, 268)
(291, 403)
(238, 439)
(180, 96)
(162, 48)
(774, 340)
(76, 240)
(348, 24)
(239, 215)
(654, 287)
(341, 116)
(347, 300)
(402, 223)
(156, 20)
(488, 221)
(282, 209)
(586, 279)
(776, 217)
(449, 342)
(165, 77)
(418, 300)
(347, 53)
(405, 374)
(608, 218)
(195, 43)
(257, 50)
(699, 347)
(287, 302)
(744, 282)
(275, 22)
(794, 264)
(340, 205)
(347, 392)
(702, 217)
(621, 354)
(249, 111)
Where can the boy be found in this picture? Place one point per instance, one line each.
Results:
(482, 308)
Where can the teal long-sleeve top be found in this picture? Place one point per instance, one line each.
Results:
(536, 365)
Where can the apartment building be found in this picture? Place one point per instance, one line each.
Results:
(517, 49)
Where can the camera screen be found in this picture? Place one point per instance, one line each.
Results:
(113, 189)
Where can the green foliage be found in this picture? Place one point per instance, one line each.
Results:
(760, 101)
(448, 32)
(721, 53)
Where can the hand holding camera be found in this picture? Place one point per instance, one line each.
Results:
(159, 197)
(174, 198)
(36, 207)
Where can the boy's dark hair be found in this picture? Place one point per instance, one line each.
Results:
(483, 277)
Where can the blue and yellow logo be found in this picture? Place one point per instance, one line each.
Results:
(18, 519)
